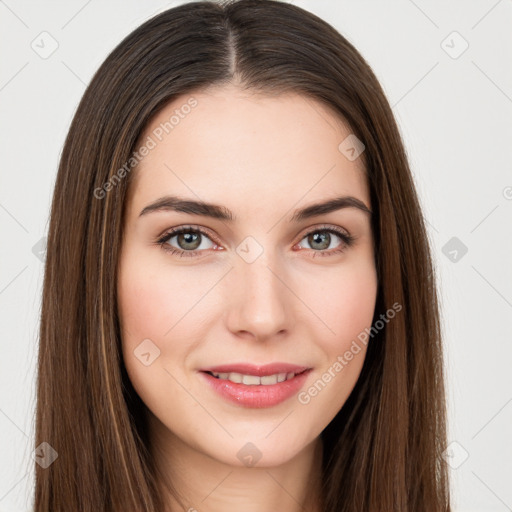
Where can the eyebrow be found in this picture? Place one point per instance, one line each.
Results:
(215, 211)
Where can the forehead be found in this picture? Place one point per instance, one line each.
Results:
(244, 149)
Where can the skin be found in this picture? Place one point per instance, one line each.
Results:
(262, 157)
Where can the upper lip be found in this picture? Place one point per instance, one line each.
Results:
(257, 370)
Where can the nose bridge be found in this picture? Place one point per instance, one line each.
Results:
(259, 303)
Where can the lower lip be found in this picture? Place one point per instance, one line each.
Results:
(258, 396)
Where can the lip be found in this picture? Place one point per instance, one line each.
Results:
(256, 396)
(257, 370)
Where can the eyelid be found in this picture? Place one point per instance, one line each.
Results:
(190, 227)
(322, 227)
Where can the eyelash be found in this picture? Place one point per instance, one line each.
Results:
(162, 241)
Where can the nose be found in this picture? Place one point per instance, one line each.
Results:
(258, 299)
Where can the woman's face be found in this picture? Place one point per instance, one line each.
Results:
(259, 285)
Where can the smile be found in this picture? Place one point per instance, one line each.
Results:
(246, 388)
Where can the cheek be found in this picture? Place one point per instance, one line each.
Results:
(142, 305)
(154, 301)
(149, 305)
(161, 306)
(355, 306)
(355, 300)
(344, 301)
(346, 305)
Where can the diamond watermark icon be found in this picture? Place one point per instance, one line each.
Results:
(351, 147)
(454, 249)
(455, 455)
(44, 455)
(44, 45)
(146, 352)
(39, 249)
(454, 45)
(249, 455)
(249, 250)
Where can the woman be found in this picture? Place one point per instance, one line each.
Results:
(239, 305)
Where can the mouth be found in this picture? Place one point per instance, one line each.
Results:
(256, 386)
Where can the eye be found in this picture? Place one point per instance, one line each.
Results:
(321, 239)
(189, 240)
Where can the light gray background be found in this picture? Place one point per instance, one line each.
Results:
(455, 117)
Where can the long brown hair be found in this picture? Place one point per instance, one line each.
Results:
(383, 451)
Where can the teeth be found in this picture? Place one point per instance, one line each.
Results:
(254, 380)
(235, 377)
(251, 380)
